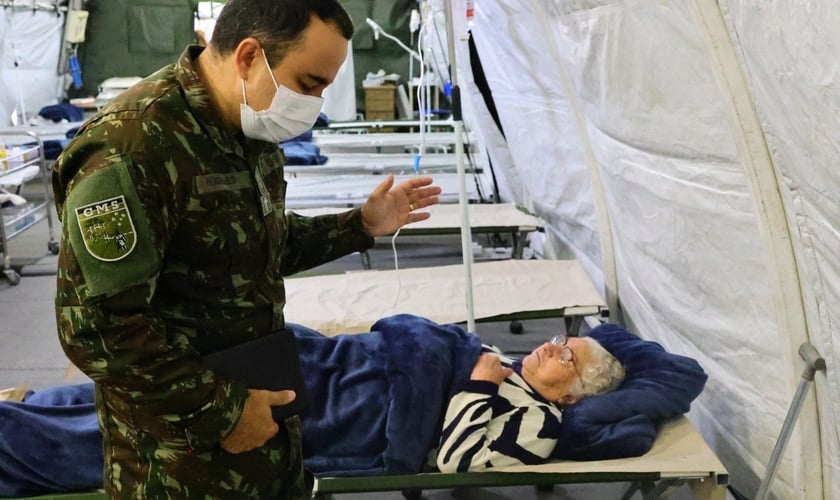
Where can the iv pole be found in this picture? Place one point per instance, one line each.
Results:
(466, 236)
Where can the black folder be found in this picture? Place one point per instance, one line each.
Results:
(270, 362)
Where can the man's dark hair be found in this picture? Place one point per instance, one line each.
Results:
(277, 24)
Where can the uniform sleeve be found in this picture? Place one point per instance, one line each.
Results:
(312, 241)
(116, 221)
(473, 438)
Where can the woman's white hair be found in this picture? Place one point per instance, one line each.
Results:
(604, 373)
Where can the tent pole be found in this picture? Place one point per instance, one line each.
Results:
(466, 236)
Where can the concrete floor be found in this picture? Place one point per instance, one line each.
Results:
(30, 353)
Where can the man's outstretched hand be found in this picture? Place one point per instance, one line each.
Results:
(390, 207)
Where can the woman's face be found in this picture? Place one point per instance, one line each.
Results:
(551, 369)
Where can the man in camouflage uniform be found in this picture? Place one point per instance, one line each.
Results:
(175, 243)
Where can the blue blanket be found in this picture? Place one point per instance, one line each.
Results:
(376, 402)
(301, 150)
(50, 442)
(376, 405)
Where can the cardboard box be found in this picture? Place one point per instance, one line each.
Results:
(379, 101)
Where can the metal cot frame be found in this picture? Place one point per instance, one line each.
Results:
(678, 456)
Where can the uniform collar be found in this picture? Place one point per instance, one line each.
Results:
(227, 139)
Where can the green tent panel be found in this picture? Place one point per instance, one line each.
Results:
(134, 37)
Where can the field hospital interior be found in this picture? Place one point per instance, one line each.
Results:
(666, 166)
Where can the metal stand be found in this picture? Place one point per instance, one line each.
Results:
(466, 234)
(813, 363)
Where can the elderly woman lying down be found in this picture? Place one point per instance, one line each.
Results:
(509, 412)
(381, 402)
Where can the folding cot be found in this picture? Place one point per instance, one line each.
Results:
(502, 290)
(678, 456)
(380, 124)
(487, 218)
(353, 190)
(376, 163)
(334, 142)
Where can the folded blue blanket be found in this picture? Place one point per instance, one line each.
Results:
(302, 153)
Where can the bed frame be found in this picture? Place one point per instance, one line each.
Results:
(409, 140)
(378, 163)
(353, 190)
(678, 456)
(489, 218)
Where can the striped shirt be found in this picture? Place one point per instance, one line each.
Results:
(495, 426)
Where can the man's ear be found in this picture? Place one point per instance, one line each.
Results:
(568, 399)
(245, 54)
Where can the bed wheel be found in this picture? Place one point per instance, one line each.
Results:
(412, 494)
(515, 327)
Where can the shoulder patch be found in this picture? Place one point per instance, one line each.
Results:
(107, 229)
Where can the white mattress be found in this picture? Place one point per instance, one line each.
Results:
(350, 303)
(353, 190)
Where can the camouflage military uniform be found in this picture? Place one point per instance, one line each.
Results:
(175, 243)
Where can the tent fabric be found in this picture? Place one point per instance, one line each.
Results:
(657, 140)
(684, 151)
(134, 37)
(30, 42)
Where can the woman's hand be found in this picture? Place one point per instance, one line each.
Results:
(489, 368)
(390, 207)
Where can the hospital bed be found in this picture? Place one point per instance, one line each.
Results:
(353, 190)
(678, 456)
(376, 163)
(636, 434)
(503, 290)
(330, 143)
(485, 218)
(375, 124)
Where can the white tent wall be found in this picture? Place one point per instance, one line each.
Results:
(693, 141)
(30, 44)
(789, 55)
(514, 183)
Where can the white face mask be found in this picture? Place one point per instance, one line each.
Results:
(289, 115)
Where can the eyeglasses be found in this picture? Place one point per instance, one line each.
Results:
(567, 355)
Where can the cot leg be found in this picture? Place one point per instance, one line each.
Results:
(644, 487)
(519, 240)
(652, 490)
(707, 489)
(412, 494)
(365, 259)
(573, 325)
